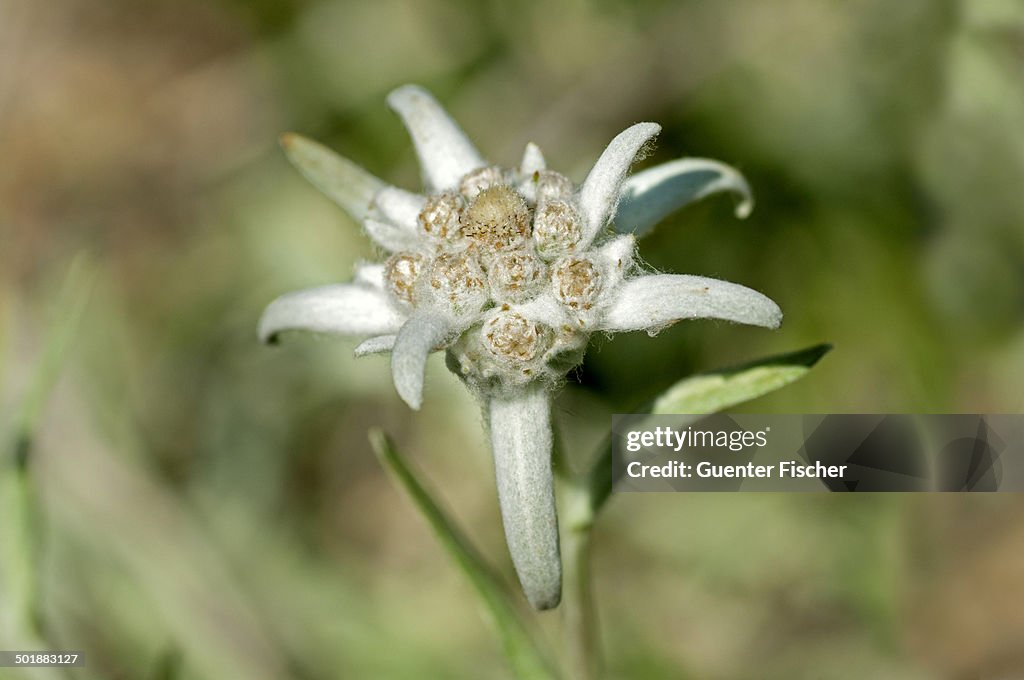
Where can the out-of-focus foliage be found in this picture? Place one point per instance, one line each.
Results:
(210, 508)
(527, 657)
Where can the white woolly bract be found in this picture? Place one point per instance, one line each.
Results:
(340, 309)
(445, 153)
(599, 194)
(520, 432)
(420, 335)
(649, 196)
(653, 302)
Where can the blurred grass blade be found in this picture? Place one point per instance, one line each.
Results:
(67, 314)
(340, 179)
(6, 330)
(709, 393)
(712, 392)
(20, 519)
(519, 642)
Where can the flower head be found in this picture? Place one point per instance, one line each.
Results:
(509, 271)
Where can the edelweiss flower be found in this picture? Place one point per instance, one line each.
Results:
(509, 271)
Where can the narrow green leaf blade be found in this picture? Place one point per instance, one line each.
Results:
(718, 390)
(338, 178)
(520, 644)
(709, 393)
(67, 314)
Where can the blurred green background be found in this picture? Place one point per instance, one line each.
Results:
(210, 508)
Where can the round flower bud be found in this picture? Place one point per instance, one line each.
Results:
(552, 185)
(515, 276)
(577, 283)
(455, 281)
(401, 272)
(556, 228)
(440, 215)
(497, 219)
(512, 337)
(480, 179)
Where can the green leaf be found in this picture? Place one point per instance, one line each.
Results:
(709, 393)
(518, 640)
(718, 390)
(340, 179)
